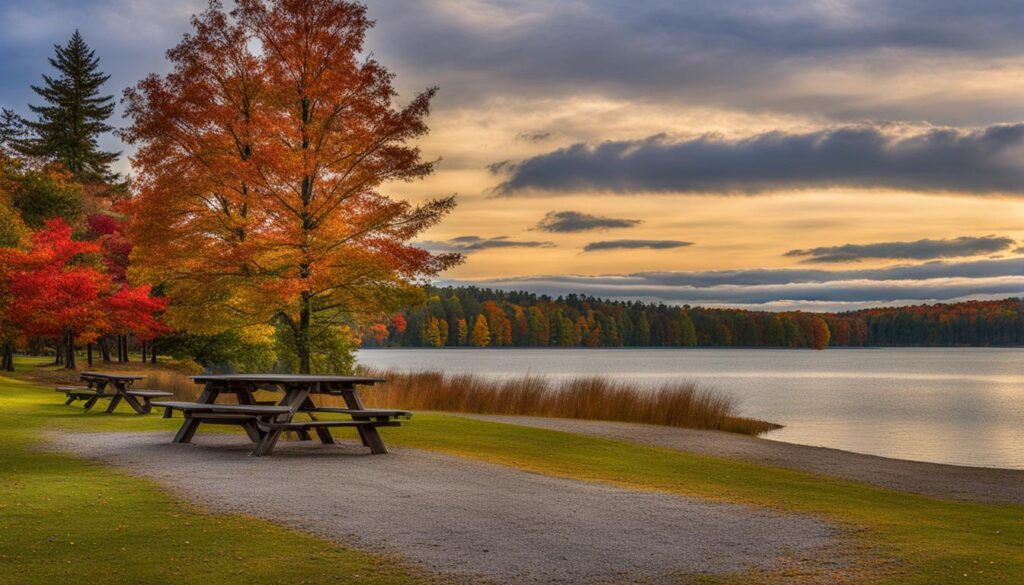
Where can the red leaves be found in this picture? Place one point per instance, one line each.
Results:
(60, 283)
(134, 309)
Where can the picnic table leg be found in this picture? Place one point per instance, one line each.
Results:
(253, 431)
(113, 403)
(187, 430)
(71, 398)
(294, 398)
(132, 401)
(267, 443)
(370, 435)
(322, 433)
(92, 401)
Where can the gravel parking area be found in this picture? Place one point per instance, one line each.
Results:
(463, 519)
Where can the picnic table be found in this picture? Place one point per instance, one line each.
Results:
(264, 422)
(116, 387)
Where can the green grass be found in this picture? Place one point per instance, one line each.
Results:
(64, 520)
(48, 501)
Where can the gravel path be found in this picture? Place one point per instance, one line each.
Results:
(978, 484)
(465, 519)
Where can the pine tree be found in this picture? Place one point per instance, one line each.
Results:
(12, 131)
(74, 115)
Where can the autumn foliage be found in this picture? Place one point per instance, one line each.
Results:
(529, 320)
(59, 289)
(261, 157)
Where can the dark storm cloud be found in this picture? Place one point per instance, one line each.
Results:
(916, 250)
(932, 281)
(635, 245)
(732, 54)
(576, 221)
(989, 160)
(729, 54)
(469, 244)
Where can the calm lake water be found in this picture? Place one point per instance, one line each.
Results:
(960, 406)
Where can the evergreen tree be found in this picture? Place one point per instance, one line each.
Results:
(74, 115)
(12, 131)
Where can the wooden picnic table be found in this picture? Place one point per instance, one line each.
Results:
(116, 387)
(264, 422)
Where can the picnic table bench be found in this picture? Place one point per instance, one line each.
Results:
(265, 422)
(120, 388)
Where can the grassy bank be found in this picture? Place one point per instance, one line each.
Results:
(894, 537)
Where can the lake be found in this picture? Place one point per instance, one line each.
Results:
(945, 405)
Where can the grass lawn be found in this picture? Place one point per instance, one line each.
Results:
(72, 521)
(64, 520)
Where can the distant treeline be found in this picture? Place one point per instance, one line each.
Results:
(475, 317)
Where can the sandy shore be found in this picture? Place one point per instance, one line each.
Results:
(977, 484)
(465, 519)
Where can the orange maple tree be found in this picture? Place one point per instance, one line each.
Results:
(261, 156)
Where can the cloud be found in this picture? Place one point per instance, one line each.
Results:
(791, 288)
(985, 161)
(576, 221)
(917, 250)
(635, 245)
(469, 244)
(533, 136)
(786, 55)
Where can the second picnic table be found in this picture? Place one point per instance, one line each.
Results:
(116, 387)
(265, 422)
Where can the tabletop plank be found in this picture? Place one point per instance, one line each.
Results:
(111, 377)
(284, 379)
(224, 408)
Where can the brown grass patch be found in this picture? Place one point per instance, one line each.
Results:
(677, 404)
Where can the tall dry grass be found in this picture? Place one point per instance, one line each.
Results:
(677, 404)
(174, 381)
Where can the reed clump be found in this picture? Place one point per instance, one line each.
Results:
(678, 404)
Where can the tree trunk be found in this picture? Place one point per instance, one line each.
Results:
(69, 346)
(124, 340)
(105, 349)
(8, 364)
(302, 337)
(88, 353)
(144, 348)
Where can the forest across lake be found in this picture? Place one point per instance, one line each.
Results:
(478, 317)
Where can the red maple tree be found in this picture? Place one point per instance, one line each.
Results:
(59, 289)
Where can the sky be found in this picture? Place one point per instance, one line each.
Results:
(781, 155)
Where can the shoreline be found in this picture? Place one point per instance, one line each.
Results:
(956, 482)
